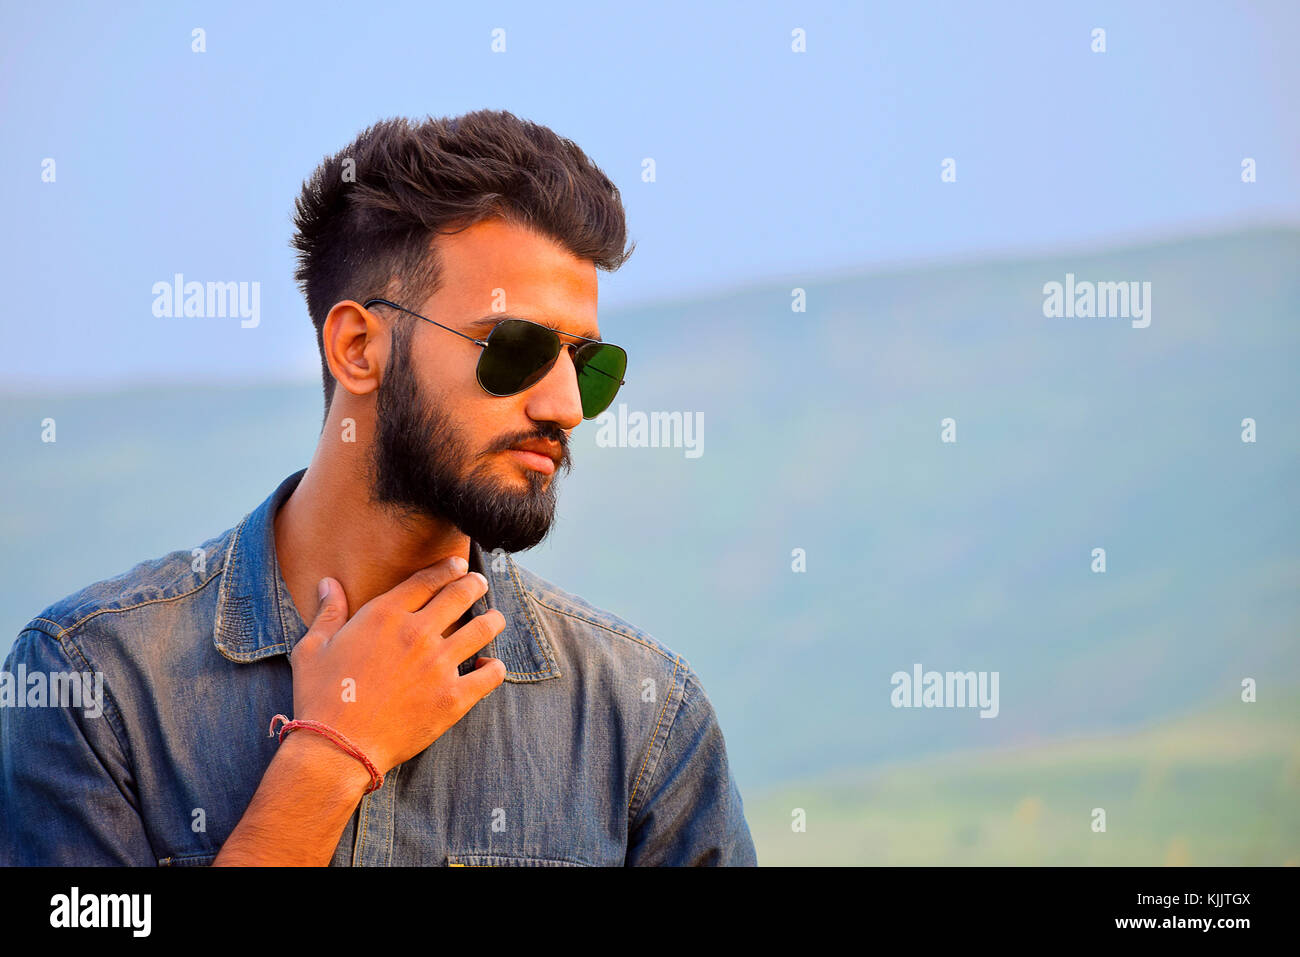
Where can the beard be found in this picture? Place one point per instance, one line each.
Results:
(424, 467)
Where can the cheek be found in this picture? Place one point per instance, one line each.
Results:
(489, 421)
(481, 418)
(452, 386)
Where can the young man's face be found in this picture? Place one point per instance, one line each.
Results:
(443, 446)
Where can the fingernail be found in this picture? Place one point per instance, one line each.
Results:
(323, 589)
(481, 578)
(459, 565)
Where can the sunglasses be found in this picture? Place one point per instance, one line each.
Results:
(517, 354)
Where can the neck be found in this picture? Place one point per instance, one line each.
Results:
(329, 527)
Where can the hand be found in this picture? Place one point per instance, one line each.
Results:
(387, 678)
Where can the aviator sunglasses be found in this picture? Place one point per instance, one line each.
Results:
(518, 353)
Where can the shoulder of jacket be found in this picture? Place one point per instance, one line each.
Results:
(170, 577)
(550, 599)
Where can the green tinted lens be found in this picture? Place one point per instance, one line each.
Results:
(600, 373)
(517, 356)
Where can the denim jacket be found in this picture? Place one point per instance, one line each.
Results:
(600, 748)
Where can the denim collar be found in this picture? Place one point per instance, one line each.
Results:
(256, 617)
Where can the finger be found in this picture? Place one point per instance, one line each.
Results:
(414, 593)
(487, 675)
(471, 638)
(331, 615)
(452, 601)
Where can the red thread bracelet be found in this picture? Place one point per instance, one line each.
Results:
(376, 779)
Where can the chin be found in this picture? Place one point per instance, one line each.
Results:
(528, 477)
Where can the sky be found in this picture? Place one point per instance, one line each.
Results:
(769, 163)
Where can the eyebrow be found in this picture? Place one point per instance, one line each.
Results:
(498, 317)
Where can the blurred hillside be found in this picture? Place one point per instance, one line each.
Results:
(1219, 787)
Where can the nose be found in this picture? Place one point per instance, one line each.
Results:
(556, 397)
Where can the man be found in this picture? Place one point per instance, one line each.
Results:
(466, 711)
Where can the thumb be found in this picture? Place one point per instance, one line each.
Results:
(331, 613)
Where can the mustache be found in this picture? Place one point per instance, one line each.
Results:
(552, 433)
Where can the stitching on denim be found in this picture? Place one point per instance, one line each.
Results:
(177, 858)
(108, 611)
(122, 741)
(67, 645)
(539, 640)
(65, 638)
(391, 779)
(613, 631)
(243, 657)
(279, 586)
(456, 860)
(149, 601)
(654, 737)
(231, 566)
(358, 851)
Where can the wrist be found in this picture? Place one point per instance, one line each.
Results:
(314, 756)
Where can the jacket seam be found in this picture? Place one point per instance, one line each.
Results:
(675, 659)
(74, 653)
(654, 739)
(171, 859)
(67, 629)
(392, 813)
(363, 825)
(67, 645)
(538, 640)
(455, 859)
(231, 565)
(66, 638)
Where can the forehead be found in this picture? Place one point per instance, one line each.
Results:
(497, 267)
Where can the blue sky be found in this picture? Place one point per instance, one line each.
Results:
(770, 164)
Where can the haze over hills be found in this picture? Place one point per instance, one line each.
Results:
(1215, 788)
(821, 432)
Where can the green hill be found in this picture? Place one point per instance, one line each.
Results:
(1221, 787)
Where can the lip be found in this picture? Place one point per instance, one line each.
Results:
(533, 460)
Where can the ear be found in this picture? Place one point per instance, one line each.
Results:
(355, 344)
